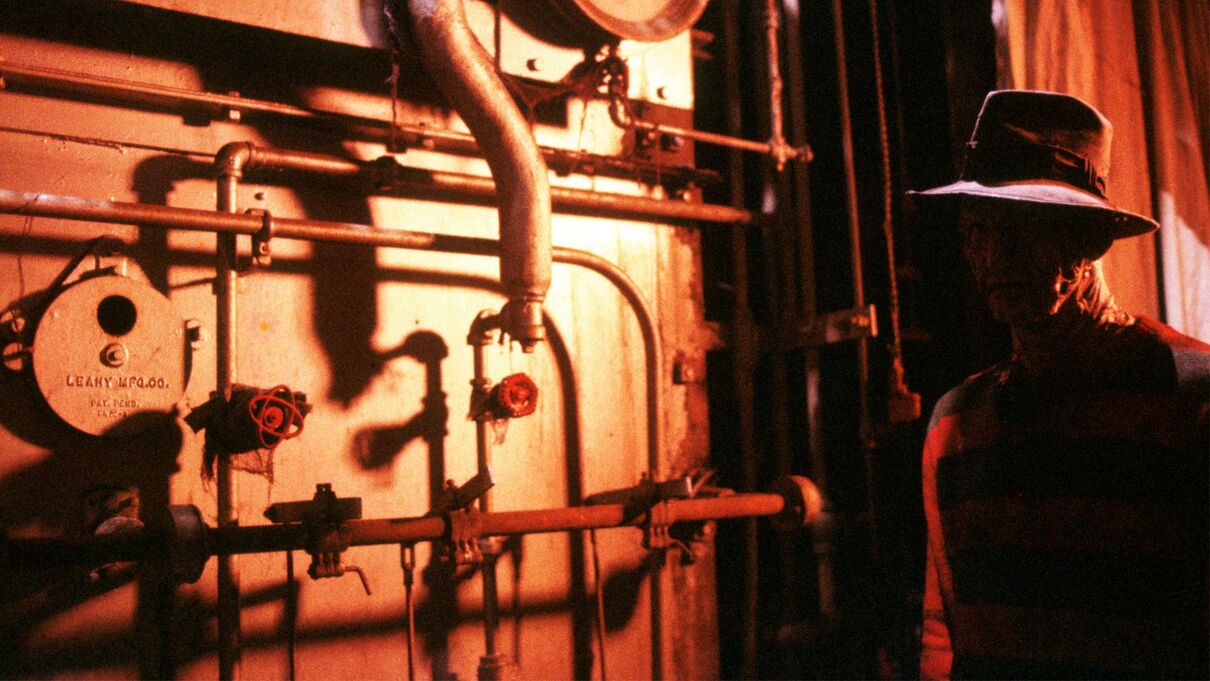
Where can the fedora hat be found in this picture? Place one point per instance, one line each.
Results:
(1041, 148)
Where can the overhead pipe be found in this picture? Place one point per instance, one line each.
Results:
(31, 76)
(391, 175)
(466, 76)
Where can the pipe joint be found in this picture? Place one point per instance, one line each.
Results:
(233, 158)
(523, 320)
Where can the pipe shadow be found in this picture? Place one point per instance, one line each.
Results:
(439, 618)
(376, 448)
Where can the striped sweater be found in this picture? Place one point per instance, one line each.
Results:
(1067, 531)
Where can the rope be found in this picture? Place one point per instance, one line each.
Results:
(902, 404)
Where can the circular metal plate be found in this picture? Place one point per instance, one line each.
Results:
(110, 356)
(644, 20)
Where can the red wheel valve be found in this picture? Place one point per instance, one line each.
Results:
(515, 395)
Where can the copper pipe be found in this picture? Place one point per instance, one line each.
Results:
(163, 95)
(467, 77)
(145, 543)
(779, 150)
(865, 426)
(777, 140)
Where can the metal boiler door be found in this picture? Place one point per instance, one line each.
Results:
(111, 356)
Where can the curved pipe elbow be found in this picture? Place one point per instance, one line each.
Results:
(467, 78)
(232, 158)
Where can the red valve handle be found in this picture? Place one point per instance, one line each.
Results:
(276, 417)
(516, 395)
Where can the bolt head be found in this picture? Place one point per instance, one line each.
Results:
(114, 355)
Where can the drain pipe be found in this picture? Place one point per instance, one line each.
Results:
(464, 73)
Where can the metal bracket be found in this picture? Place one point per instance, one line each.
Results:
(455, 497)
(655, 530)
(327, 537)
(642, 497)
(262, 249)
(463, 529)
(834, 327)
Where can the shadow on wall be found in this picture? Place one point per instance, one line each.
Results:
(170, 629)
(47, 496)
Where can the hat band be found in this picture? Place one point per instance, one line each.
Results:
(1015, 162)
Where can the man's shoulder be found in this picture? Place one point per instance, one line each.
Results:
(976, 390)
(1190, 356)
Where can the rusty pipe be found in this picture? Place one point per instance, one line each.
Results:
(467, 78)
(142, 543)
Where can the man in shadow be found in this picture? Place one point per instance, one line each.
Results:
(1065, 489)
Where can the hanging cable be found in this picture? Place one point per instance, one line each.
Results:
(902, 404)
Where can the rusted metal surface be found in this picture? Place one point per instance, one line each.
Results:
(346, 21)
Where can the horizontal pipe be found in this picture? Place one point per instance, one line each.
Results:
(412, 135)
(164, 95)
(778, 149)
(446, 185)
(147, 543)
(570, 200)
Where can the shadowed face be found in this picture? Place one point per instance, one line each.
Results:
(1026, 261)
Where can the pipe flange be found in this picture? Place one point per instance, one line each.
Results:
(187, 547)
(804, 503)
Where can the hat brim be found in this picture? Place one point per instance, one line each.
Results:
(1086, 206)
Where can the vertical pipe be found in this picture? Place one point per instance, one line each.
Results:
(782, 300)
(743, 357)
(480, 336)
(227, 510)
(777, 139)
(806, 294)
(863, 358)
